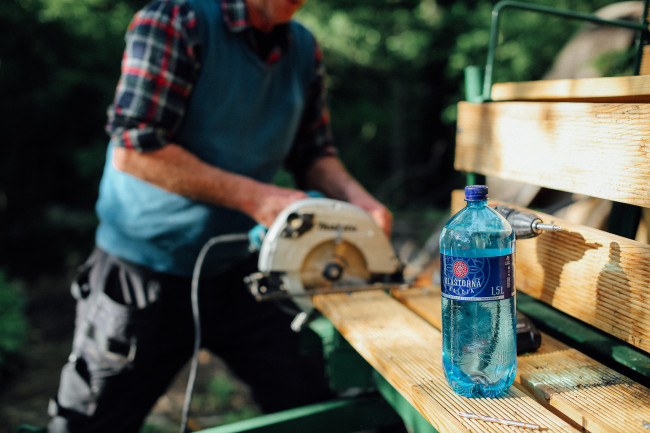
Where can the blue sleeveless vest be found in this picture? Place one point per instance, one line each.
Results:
(242, 117)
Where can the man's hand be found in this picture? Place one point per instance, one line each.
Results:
(270, 200)
(382, 216)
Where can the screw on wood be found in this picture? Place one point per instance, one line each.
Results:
(500, 420)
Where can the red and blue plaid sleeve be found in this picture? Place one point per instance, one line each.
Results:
(159, 69)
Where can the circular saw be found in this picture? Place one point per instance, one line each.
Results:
(320, 245)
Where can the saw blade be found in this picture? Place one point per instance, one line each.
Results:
(334, 263)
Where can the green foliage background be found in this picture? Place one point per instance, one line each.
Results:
(13, 325)
(395, 74)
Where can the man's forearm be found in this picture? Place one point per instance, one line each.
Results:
(329, 175)
(176, 170)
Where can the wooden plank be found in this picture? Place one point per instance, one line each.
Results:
(600, 278)
(563, 379)
(597, 277)
(426, 303)
(601, 150)
(608, 89)
(407, 352)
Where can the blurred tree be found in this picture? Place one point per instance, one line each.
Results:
(59, 63)
(13, 325)
(396, 74)
(384, 92)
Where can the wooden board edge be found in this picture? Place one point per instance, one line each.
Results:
(603, 89)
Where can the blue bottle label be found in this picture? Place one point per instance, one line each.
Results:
(477, 278)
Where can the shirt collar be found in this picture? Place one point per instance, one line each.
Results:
(235, 15)
(236, 18)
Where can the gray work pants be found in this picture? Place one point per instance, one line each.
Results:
(134, 332)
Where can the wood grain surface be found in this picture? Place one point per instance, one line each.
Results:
(597, 149)
(606, 89)
(563, 379)
(406, 350)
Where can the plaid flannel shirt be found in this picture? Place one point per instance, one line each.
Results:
(161, 64)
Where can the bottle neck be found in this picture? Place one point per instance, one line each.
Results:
(476, 203)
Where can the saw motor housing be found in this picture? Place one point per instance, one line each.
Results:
(320, 243)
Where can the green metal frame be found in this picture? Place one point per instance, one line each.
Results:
(412, 419)
(344, 367)
(479, 89)
(385, 409)
(641, 28)
(341, 416)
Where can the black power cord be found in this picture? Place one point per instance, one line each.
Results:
(196, 274)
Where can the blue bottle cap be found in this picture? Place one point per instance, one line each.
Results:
(476, 193)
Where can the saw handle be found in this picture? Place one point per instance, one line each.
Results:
(256, 234)
(256, 237)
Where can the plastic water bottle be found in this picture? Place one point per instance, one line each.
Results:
(479, 347)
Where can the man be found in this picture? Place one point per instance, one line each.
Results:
(215, 96)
